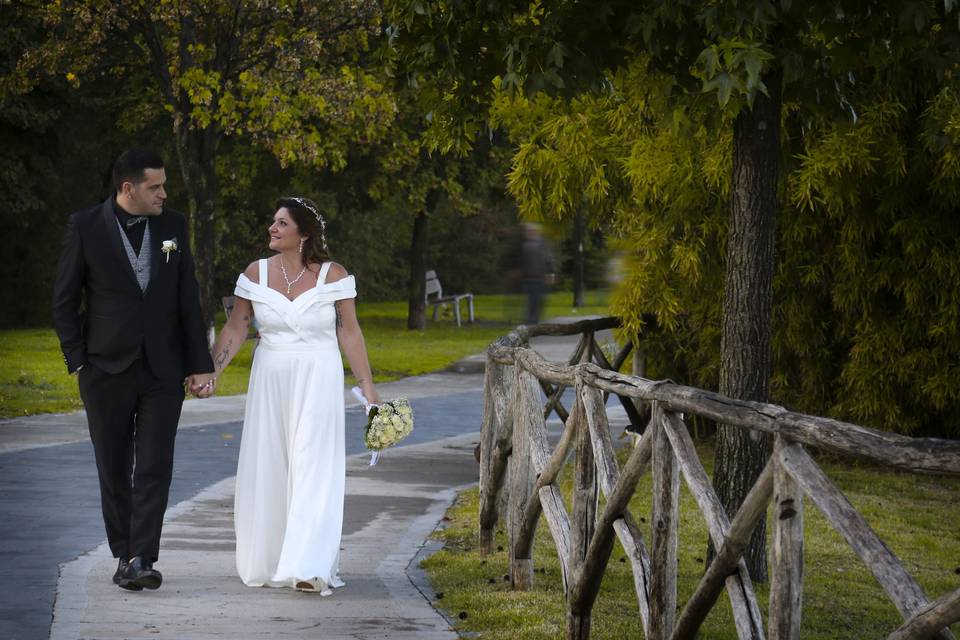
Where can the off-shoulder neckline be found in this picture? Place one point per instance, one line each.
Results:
(319, 286)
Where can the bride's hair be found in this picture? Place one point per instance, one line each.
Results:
(310, 223)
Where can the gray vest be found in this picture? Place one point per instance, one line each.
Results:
(140, 263)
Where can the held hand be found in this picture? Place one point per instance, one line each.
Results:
(191, 385)
(205, 389)
(202, 385)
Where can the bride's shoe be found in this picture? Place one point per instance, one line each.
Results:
(313, 585)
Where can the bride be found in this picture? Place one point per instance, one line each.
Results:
(288, 509)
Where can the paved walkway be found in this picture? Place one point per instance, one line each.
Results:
(390, 510)
(56, 568)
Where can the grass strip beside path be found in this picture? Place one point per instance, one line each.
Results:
(915, 515)
(33, 378)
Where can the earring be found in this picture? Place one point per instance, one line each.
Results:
(302, 240)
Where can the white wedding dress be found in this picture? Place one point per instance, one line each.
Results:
(288, 511)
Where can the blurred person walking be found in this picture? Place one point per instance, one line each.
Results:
(537, 270)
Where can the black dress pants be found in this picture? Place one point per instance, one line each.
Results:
(133, 419)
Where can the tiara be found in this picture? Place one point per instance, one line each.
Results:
(309, 207)
(306, 204)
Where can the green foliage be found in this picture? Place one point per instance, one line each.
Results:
(869, 285)
(282, 123)
(283, 75)
(733, 67)
(865, 315)
(658, 181)
(58, 143)
(374, 201)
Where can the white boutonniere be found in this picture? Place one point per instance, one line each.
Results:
(168, 246)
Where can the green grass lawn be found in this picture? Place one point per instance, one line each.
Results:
(33, 378)
(915, 515)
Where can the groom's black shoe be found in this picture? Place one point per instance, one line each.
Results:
(118, 577)
(139, 574)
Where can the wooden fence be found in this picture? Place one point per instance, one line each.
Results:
(519, 472)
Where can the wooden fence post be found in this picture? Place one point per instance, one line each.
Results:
(582, 524)
(545, 498)
(663, 541)
(746, 611)
(526, 407)
(616, 519)
(489, 428)
(786, 552)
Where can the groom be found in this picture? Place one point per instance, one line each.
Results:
(127, 311)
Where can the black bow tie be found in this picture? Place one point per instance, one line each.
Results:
(135, 220)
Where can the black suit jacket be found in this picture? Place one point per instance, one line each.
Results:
(116, 319)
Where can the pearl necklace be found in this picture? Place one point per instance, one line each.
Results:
(286, 279)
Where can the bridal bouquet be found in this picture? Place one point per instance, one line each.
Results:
(387, 424)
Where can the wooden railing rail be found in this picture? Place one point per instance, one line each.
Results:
(519, 479)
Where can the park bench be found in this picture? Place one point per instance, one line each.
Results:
(435, 289)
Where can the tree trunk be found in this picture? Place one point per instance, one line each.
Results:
(197, 153)
(579, 230)
(196, 149)
(416, 309)
(745, 351)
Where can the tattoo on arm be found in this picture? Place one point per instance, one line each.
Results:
(221, 361)
(336, 306)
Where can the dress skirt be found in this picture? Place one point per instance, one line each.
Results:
(288, 511)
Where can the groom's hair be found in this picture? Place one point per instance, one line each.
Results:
(132, 163)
